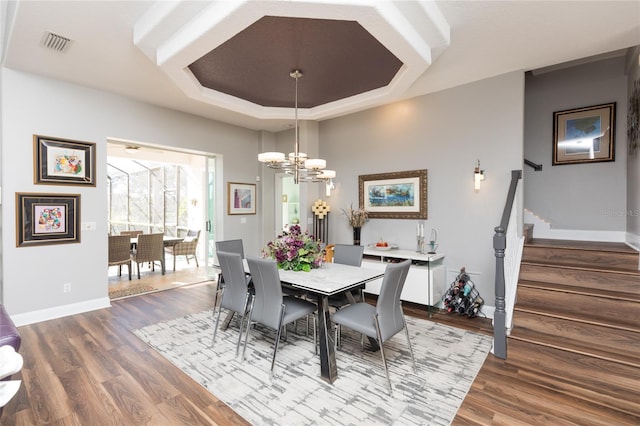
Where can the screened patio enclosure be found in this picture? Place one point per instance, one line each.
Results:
(153, 196)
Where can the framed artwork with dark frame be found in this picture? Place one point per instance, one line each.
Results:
(47, 219)
(63, 162)
(584, 135)
(241, 198)
(395, 195)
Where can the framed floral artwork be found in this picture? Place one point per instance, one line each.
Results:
(47, 219)
(63, 161)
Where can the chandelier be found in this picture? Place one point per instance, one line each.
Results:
(296, 163)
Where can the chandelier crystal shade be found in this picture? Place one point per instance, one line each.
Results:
(297, 163)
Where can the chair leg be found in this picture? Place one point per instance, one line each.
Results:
(129, 269)
(315, 335)
(174, 263)
(138, 270)
(384, 359)
(275, 348)
(246, 335)
(244, 312)
(215, 327)
(406, 332)
(196, 259)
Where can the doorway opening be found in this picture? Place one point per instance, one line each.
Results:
(156, 190)
(287, 202)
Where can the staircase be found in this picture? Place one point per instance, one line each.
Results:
(578, 308)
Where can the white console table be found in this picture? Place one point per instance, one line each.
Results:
(426, 282)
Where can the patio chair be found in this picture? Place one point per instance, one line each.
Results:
(120, 252)
(186, 248)
(150, 248)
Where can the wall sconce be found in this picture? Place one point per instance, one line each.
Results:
(327, 176)
(478, 175)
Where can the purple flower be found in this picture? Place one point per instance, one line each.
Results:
(295, 250)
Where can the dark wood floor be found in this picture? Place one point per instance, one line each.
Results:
(89, 369)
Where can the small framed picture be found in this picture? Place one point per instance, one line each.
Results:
(47, 219)
(63, 162)
(241, 198)
(584, 135)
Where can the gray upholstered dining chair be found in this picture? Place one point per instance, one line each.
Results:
(383, 321)
(234, 296)
(120, 252)
(150, 248)
(229, 246)
(347, 254)
(269, 307)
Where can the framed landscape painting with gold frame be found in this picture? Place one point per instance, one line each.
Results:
(396, 195)
(584, 135)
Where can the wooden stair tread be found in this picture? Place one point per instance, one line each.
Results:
(622, 341)
(630, 324)
(582, 245)
(551, 264)
(569, 345)
(596, 292)
(610, 384)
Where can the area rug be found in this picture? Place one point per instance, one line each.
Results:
(131, 290)
(447, 360)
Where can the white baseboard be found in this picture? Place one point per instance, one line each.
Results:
(633, 240)
(487, 311)
(60, 311)
(542, 229)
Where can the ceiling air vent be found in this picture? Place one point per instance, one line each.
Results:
(55, 42)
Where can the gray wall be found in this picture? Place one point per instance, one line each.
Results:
(444, 132)
(33, 277)
(633, 163)
(576, 196)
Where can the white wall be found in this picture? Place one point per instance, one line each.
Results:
(576, 196)
(33, 277)
(633, 163)
(444, 132)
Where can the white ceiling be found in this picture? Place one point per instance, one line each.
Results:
(487, 38)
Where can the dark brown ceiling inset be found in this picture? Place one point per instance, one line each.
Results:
(338, 59)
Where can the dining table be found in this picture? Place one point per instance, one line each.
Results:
(328, 280)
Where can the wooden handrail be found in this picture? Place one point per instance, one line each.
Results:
(499, 246)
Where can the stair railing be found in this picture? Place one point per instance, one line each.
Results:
(534, 166)
(499, 246)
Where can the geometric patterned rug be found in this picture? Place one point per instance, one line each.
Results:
(447, 359)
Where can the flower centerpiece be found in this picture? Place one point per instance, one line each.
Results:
(356, 218)
(295, 250)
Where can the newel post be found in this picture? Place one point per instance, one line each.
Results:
(499, 316)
